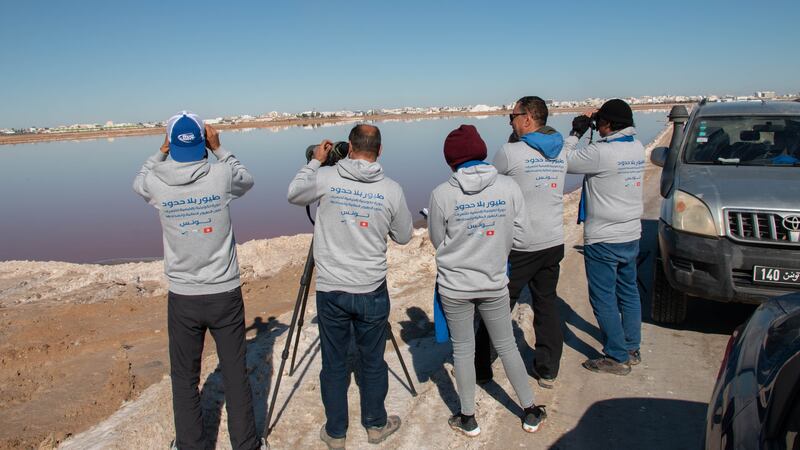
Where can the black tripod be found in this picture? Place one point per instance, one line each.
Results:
(300, 306)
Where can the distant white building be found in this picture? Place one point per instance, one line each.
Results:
(765, 94)
(484, 108)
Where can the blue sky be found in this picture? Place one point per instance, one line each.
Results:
(87, 61)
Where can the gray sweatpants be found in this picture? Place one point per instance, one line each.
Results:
(496, 314)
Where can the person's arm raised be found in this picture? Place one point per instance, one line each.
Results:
(304, 189)
(241, 180)
(139, 185)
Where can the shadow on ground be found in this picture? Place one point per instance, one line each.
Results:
(703, 316)
(638, 423)
(259, 368)
(427, 357)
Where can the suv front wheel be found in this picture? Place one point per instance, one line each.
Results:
(669, 305)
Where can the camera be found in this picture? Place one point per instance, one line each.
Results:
(593, 123)
(593, 119)
(339, 151)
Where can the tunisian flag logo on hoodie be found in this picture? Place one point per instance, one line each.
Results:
(363, 224)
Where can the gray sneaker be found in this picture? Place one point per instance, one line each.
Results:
(332, 442)
(545, 382)
(634, 357)
(607, 365)
(378, 435)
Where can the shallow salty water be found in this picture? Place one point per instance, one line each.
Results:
(72, 201)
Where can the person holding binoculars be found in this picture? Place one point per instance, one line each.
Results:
(193, 198)
(611, 206)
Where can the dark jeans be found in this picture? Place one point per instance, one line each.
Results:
(188, 318)
(341, 315)
(539, 270)
(611, 271)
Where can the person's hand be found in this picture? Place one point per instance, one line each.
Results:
(165, 146)
(212, 138)
(580, 124)
(322, 150)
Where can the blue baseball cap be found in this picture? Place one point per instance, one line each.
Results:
(187, 137)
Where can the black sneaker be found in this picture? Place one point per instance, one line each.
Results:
(483, 375)
(466, 425)
(482, 381)
(607, 365)
(534, 418)
(634, 357)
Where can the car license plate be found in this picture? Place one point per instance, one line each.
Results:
(777, 275)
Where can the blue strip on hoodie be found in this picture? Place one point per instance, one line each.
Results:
(785, 159)
(474, 162)
(549, 144)
(439, 321)
(582, 204)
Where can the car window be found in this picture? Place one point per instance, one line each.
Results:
(767, 141)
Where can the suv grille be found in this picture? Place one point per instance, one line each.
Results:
(763, 227)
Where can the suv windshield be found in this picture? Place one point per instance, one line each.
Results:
(761, 141)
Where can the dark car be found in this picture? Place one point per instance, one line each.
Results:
(730, 219)
(756, 400)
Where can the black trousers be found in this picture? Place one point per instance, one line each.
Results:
(188, 318)
(539, 270)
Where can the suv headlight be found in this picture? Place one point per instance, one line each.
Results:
(691, 215)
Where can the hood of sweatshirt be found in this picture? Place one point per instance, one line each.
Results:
(547, 140)
(474, 179)
(360, 170)
(175, 173)
(620, 134)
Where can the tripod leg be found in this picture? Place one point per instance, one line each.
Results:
(299, 328)
(402, 362)
(304, 280)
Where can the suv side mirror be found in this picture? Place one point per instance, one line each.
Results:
(659, 156)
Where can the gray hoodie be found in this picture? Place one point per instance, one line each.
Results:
(193, 200)
(474, 219)
(614, 169)
(541, 179)
(358, 208)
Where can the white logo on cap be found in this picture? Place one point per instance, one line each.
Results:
(186, 138)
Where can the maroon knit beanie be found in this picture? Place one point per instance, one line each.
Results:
(463, 144)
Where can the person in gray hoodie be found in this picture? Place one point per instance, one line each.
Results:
(611, 206)
(474, 219)
(358, 208)
(536, 164)
(193, 197)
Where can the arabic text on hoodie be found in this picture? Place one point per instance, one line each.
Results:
(193, 200)
(358, 208)
(474, 218)
(538, 167)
